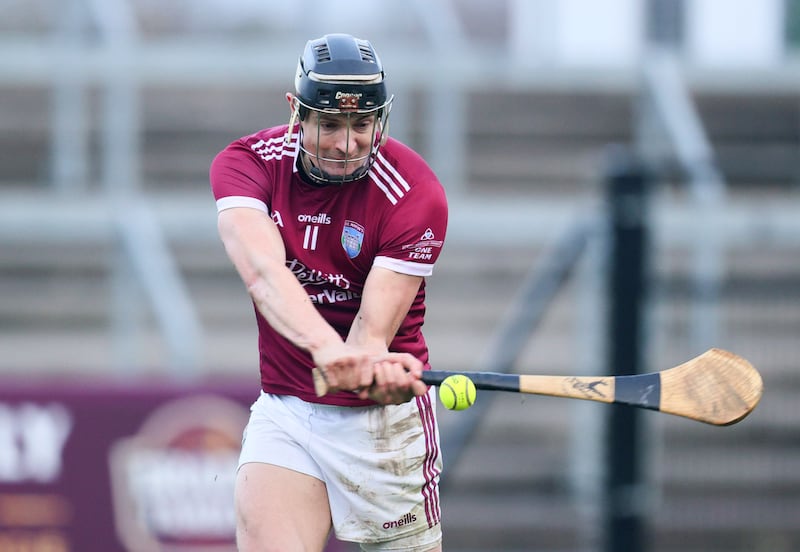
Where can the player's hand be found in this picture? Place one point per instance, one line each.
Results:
(396, 379)
(344, 367)
(387, 378)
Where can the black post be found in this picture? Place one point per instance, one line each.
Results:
(627, 204)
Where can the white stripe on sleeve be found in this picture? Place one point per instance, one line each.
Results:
(404, 267)
(241, 201)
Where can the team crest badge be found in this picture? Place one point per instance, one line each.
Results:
(352, 238)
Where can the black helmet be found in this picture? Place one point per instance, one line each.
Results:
(339, 72)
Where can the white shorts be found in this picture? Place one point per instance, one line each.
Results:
(381, 464)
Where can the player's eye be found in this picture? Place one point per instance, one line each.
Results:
(329, 124)
(362, 125)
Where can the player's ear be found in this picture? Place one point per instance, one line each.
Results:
(298, 111)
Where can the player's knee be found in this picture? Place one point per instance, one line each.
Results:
(250, 541)
(247, 538)
(252, 536)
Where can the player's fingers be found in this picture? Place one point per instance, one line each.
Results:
(376, 382)
(401, 385)
(349, 372)
(365, 374)
(410, 363)
(419, 388)
(383, 383)
(378, 378)
(329, 375)
(392, 374)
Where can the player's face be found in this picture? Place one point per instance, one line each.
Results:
(338, 144)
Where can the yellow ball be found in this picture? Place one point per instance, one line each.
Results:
(457, 392)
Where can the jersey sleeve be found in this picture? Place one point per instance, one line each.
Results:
(239, 179)
(415, 231)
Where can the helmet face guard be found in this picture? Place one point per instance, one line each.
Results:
(351, 165)
(339, 76)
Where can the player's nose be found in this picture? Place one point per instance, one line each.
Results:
(346, 141)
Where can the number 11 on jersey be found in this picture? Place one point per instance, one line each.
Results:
(310, 239)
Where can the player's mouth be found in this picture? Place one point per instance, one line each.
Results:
(340, 166)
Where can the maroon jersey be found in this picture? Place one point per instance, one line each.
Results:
(394, 217)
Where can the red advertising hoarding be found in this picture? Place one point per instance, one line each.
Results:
(120, 467)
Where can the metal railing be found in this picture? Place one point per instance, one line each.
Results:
(143, 263)
(668, 110)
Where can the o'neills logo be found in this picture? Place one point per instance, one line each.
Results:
(172, 482)
(321, 218)
(405, 520)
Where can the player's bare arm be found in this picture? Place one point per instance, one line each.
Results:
(254, 246)
(385, 302)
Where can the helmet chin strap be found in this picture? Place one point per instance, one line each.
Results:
(328, 178)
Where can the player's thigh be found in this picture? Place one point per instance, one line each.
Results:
(280, 509)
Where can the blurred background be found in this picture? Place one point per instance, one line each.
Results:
(111, 272)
